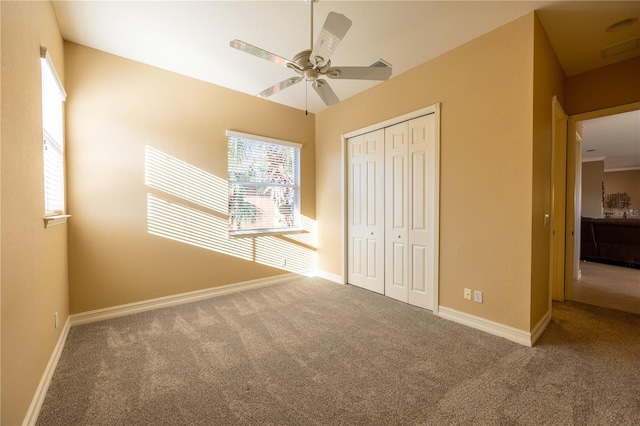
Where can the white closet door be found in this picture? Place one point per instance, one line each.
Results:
(422, 181)
(366, 211)
(392, 210)
(396, 212)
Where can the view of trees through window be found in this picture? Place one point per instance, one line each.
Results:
(264, 185)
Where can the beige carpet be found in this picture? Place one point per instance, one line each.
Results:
(310, 352)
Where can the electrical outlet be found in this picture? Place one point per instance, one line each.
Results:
(55, 320)
(477, 296)
(467, 293)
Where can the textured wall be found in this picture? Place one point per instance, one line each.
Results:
(34, 259)
(627, 181)
(486, 91)
(130, 240)
(592, 177)
(606, 87)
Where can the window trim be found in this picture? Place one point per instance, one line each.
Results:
(249, 233)
(235, 134)
(44, 54)
(54, 220)
(57, 217)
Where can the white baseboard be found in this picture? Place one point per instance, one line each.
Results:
(491, 327)
(41, 392)
(176, 299)
(540, 327)
(329, 277)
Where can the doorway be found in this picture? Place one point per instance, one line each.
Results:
(598, 273)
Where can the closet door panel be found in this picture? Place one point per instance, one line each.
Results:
(396, 220)
(398, 273)
(418, 195)
(418, 269)
(365, 211)
(374, 146)
(398, 202)
(356, 213)
(419, 168)
(356, 250)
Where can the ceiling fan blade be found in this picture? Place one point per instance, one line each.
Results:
(359, 73)
(280, 86)
(256, 51)
(325, 92)
(333, 31)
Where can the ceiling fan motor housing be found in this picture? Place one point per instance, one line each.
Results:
(314, 63)
(302, 64)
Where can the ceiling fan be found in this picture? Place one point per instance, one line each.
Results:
(314, 63)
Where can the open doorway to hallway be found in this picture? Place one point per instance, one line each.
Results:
(609, 286)
(607, 246)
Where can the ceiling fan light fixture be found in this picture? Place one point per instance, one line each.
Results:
(310, 74)
(621, 25)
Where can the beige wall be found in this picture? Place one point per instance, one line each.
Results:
(610, 86)
(623, 181)
(486, 91)
(592, 176)
(34, 259)
(548, 80)
(117, 108)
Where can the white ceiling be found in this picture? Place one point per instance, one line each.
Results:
(192, 38)
(614, 139)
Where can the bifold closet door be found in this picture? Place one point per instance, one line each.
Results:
(365, 209)
(421, 210)
(392, 195)
(396, 192)
(407, 186)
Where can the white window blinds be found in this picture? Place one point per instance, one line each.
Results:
(264, 184)
(53, 139)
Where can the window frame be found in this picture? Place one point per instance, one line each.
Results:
(49, 142)
(296, 228)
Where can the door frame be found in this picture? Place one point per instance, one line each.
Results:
(558, 203)
(572, 256)
(435, 273)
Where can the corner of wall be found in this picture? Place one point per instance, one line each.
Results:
(548, 81)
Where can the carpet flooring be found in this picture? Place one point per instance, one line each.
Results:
(310, 352)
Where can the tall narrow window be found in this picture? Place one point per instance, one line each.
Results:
(53, 95)
(264, 184)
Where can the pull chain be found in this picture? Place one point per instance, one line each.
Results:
(306, 98)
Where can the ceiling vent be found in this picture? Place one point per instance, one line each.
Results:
(380, 63)
(616, 49)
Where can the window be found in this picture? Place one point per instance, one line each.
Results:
(53, 95)
(264, 184)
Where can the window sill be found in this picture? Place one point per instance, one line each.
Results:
(252, 234)
(50, 221)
